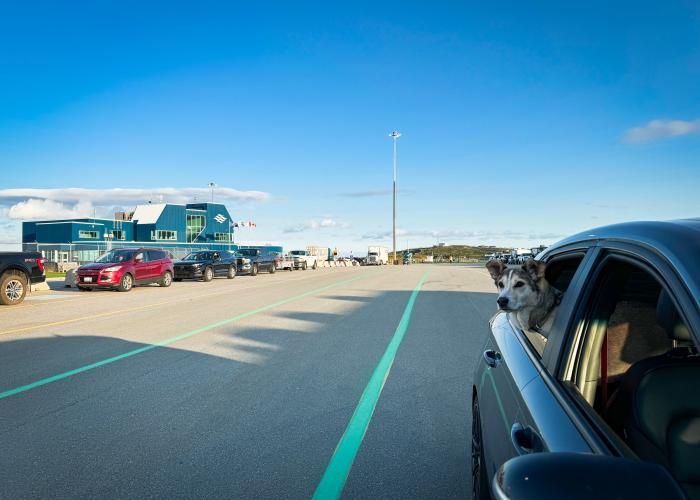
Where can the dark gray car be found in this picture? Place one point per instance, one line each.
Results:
(607, 405)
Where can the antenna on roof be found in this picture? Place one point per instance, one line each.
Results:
(212, 186)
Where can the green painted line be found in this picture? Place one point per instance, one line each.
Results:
(497, 394)
(333, 480)
(171, 340)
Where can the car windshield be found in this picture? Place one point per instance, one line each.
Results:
(116, 256)
(373, 253)
(298, 252)
(199, 256)
(248, 252)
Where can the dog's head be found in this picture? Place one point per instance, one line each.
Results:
(518, 288)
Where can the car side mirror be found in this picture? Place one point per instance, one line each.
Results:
(579, 476)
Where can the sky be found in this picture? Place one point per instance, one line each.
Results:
(521, 122)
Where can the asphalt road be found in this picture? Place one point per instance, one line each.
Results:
(242, 388)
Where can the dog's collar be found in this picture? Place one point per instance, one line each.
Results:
(557, 300)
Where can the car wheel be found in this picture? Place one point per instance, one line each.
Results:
(304, 266)
(231, 272)
(208, 274)
(254, 270)
(480, 481)
(166, 280)
(273, 269)
(315, 266)
(14, 289)
(126, 283)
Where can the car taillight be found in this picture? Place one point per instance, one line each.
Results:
(40, 263)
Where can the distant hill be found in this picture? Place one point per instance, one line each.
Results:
(456, 252)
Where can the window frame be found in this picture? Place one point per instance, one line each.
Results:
(83, 237)
(665, 274)
(155, 233)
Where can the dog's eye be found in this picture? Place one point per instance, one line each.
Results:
(518, 284)
(500, 284)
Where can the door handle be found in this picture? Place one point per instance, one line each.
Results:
(525, 439)
(492, 358)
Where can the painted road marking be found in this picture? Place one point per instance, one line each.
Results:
(127, 310)
(171, 340)
(333, 480)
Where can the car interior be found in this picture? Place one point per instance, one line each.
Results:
(639, 370)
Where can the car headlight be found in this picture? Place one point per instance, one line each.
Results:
(112, 269)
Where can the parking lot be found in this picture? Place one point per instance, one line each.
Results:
(244, 387)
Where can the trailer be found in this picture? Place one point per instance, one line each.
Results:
(377, 256)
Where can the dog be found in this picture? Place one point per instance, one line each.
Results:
(525, 292)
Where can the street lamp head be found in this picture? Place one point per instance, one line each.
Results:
(395, 134)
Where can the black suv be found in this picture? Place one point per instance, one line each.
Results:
(205, 265)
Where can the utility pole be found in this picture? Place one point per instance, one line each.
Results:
(394, 135)
(212, 186)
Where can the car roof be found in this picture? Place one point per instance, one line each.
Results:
(677, 240)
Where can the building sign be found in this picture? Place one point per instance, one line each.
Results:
(220, 219)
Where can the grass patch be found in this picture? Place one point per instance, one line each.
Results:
(54, 274)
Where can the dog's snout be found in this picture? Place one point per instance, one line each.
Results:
(502, 301)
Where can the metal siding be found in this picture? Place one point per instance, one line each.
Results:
(28, 232)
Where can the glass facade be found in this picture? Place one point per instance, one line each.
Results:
(195, 225)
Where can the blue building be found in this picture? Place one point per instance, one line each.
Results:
(177, 228)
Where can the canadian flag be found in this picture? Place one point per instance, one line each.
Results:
(245, 224)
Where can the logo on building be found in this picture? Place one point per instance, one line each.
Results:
(220, 219)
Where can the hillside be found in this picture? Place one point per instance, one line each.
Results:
(457, 252)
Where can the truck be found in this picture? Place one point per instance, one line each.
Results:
(322, 254)
(257, 260)
(304, 260)
(18, 271)
(377, 256)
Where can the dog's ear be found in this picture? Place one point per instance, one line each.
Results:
(535, 269)
(496, 268)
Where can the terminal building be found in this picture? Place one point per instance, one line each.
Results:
(179, 229)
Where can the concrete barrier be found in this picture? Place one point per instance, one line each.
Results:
(69, 282)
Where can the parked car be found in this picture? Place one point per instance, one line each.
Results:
(304, 260)
(19, 270)
(205, 265)
(284, 261)
(258, 261)
(610, 393)
(124, 268)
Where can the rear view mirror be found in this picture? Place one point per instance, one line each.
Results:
(582, 476)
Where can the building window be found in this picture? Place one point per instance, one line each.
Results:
(227, 237)
(92, 235)
(195, 225)
(162, 234)
(118, 234)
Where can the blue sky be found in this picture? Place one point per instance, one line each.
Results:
(522, 122)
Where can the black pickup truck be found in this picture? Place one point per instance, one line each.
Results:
(258, 261)
(205, 265)
(18, 270)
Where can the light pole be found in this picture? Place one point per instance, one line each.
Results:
(394, 135)
(212, 186)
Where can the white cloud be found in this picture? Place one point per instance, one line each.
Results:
(115, 196)
(28, 204)
(661, 129)
(315, 225)
(49, 209)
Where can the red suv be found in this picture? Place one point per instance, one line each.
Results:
(123, 268)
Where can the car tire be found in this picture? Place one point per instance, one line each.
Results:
(480, 481)
(315, 266)
(231, 272)
(166, 280)
(13, 288)
(272, 269)
(305, 266)
(254, 270)
(126, 283)
(208, 274)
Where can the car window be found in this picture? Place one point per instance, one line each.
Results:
(559, 273)
(631, 328)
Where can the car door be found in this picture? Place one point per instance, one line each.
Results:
(153, 265)
(141, 266)
(219, 264)
(519, 413)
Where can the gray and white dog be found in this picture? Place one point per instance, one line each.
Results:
(525, 292)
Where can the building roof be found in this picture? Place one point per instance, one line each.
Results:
(148, 214)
